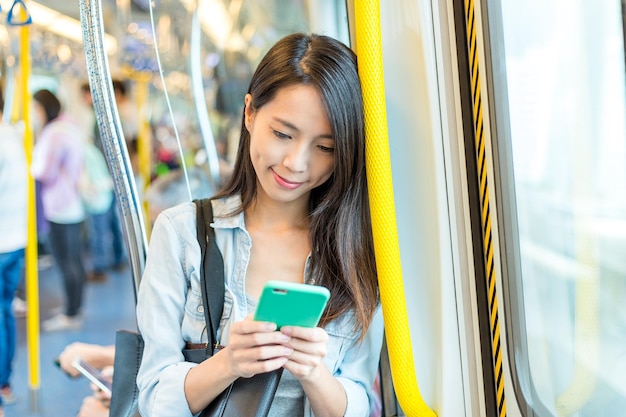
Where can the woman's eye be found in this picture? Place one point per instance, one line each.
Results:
(326, 149)
(281, 135)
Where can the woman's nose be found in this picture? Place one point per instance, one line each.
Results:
(297, 159)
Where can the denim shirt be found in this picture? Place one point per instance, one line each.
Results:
(170, 313)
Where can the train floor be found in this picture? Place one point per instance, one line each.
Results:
(108, 306)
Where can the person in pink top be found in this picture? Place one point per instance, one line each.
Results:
(58, 164)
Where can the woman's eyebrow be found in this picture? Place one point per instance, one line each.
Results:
(286, 124)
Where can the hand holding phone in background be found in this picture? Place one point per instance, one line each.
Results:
(98, 404)
(99, 356)
(96, 377)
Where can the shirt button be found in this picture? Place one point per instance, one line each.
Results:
(200, 309)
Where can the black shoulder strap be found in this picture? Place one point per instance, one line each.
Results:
(212, 271)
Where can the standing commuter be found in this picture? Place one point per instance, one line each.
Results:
(105, 238)
(13, 186)
(58, 165)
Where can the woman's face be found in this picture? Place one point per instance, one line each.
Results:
(291, 144)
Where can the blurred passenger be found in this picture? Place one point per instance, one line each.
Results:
(98, 356)
(58, 163)
(170, 189)
(96, 187)
(46, 259)
(13, 186)
(106, 242)
(129, 116)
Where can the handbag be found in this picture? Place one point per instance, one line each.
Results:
(245, 397)
(124, 393)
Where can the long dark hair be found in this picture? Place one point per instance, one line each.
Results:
(342, 255)
(50, 104)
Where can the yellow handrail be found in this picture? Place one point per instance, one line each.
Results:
(383, 212)
(32, 275)
(144, 140)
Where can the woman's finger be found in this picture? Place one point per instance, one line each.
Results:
(250, 326)
(242, 341)
(311, 334)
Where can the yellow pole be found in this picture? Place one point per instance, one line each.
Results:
(144, 144)
(17, 100)
(383, 212)
(32, 282)
(144, 138)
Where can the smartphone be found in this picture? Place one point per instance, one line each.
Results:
(290, 304)
(92, 374)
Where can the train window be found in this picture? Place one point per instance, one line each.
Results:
(217, 66)
(565, 88)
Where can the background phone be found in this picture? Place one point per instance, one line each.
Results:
(290, 304)
(92, 374)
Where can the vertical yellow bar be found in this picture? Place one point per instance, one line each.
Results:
(383, 212)
(32, 282)
(144, 142)
(16, 108)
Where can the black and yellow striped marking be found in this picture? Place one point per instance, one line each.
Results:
(484, 200)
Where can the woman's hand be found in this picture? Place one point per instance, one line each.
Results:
(256, 347)
(253, 347)
(325, 393)
(310, 346)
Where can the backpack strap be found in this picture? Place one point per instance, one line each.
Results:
(212, 271)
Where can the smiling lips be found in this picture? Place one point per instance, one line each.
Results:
(285, 183)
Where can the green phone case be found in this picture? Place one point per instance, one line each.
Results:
(290, 304)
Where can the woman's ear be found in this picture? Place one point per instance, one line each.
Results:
(248, 111)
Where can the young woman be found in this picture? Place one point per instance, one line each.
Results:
(296, 210)
(58, 159)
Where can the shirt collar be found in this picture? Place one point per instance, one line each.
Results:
(222, 218)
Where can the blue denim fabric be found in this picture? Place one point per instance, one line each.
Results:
(11, 265)
(170, 313)
(106, 242)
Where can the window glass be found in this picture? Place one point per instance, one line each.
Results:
(222, 52)
(566, 97)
